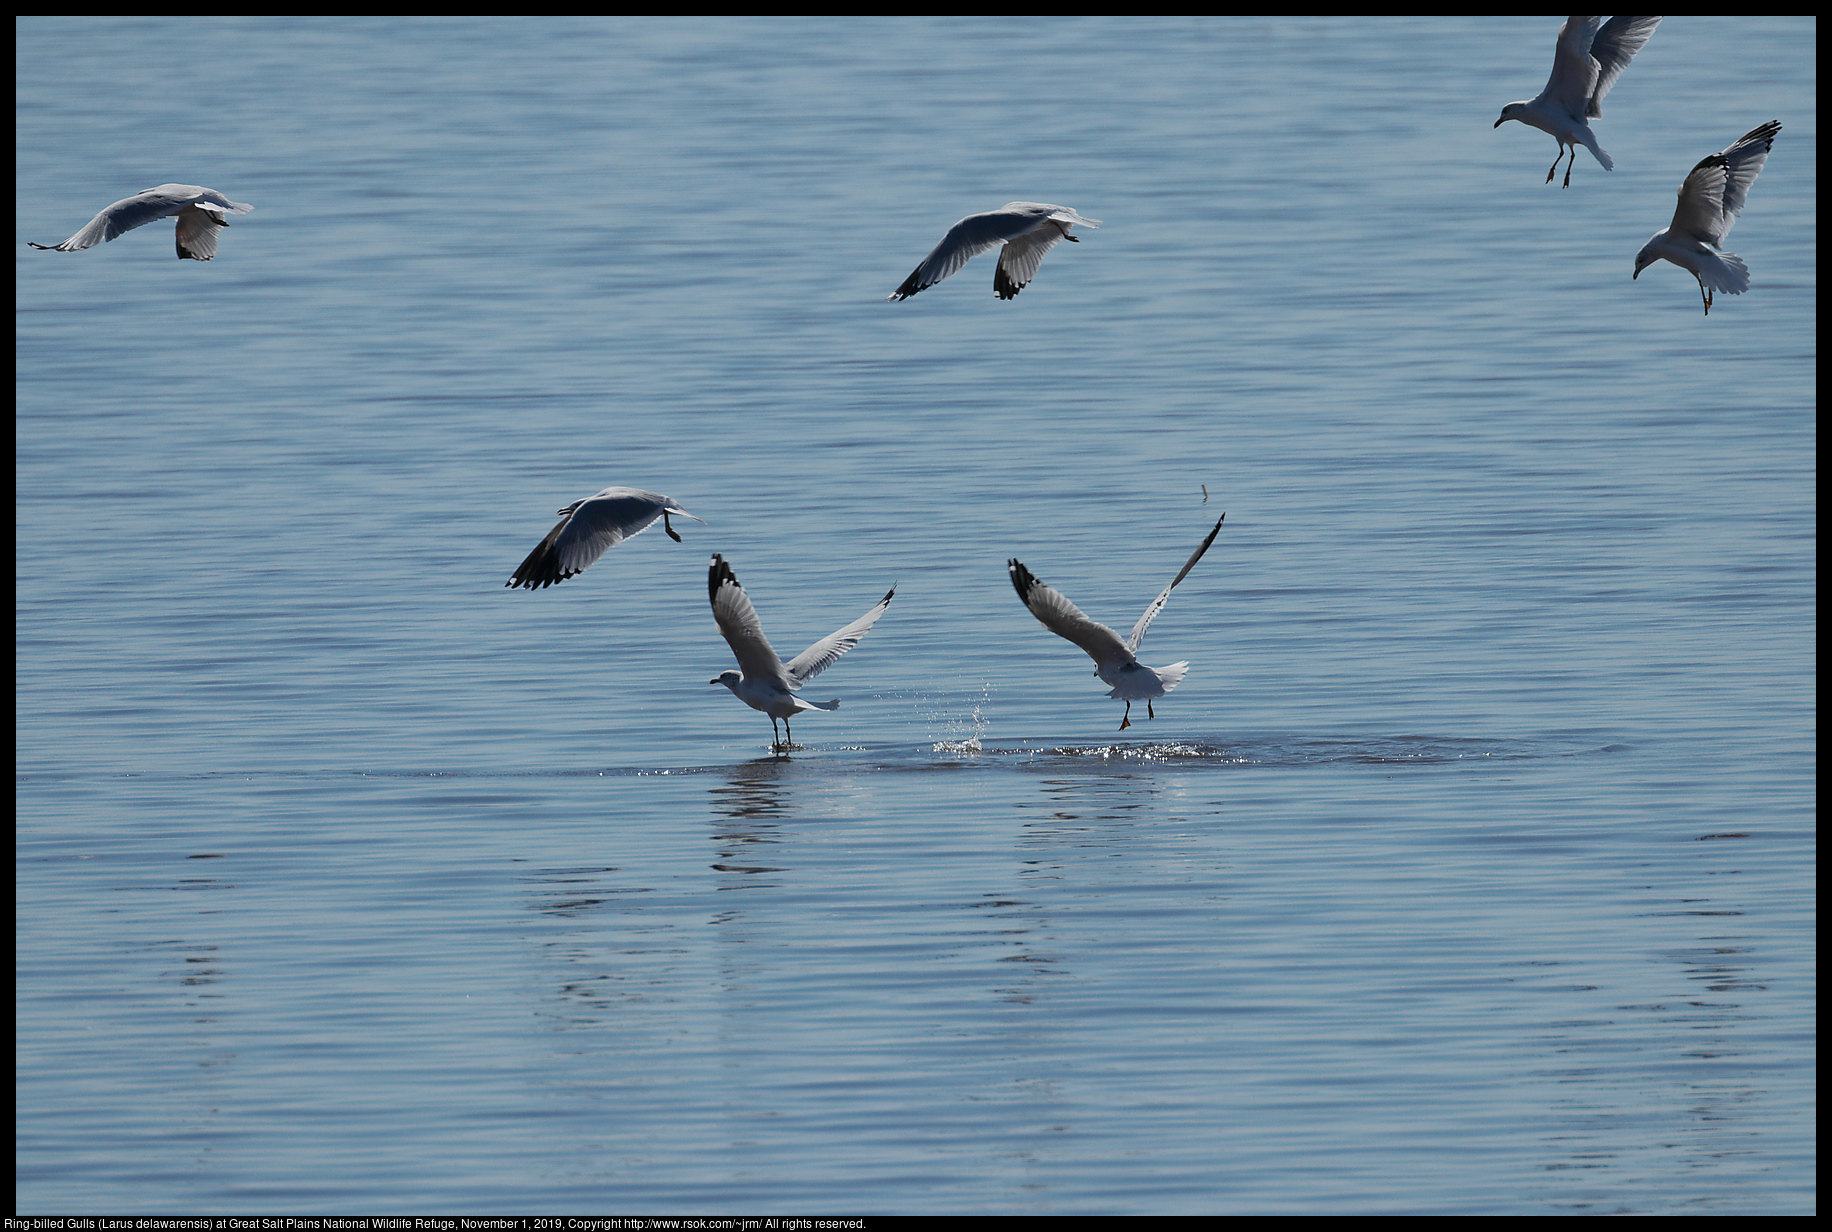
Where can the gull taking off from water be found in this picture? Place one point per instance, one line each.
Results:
(1023, 231)
(591, 527)
(766, 683)
(1115, 662)
(1585, 64)
(200, 217)
(1709, 202)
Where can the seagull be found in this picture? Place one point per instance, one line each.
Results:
(1023, 231)
(591, 527)
(1585, 64)
(1116, 662)
(767, 683)
(1709, 202)
(200, 214)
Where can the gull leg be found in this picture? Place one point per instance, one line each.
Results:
(669, 527)
(1561, 154)
(775, 740)
(1148, 710)
(1569, 165)
(790, 742)
(1127, 721)
(1705, 295)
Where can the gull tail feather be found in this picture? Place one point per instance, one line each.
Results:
(1723, 271)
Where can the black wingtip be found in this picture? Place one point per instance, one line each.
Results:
(541, 567)
(888, 595)
(910, 286)
(1021, 579)
(717, 575)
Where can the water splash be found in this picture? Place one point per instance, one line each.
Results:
(963, 735)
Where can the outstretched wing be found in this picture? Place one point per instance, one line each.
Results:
(588, 529)
(737, 620)
(814, 660)
(1613, 47)
(1064, 619)
(1715, 190)
(118, 219)
(965, 240)
(1137, 636)
(149, 206)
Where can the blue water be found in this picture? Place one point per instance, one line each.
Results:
(1469, 870)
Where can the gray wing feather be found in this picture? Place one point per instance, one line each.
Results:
(588, 529)
(1613, 47)
(1019, 261)
(198, 227)
(1574, 73)
(1137, 636)
(814, 660)
(1714, 192)
(737, 620)
(965, 240)
(978, 233)
(1061, 617)
(149, 206)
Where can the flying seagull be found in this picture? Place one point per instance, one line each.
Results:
(766, 683)
(1709, 202)
(591, 527)
(1115, 661)
(1585, 64)
(1023, 231)
(200, 214)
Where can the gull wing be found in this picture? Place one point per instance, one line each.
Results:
(737, 620)
(141, 208)
(814, 660)
(1064, 619)
(1714, 192)
(1019, 259)
(198, 227)
(1612, 48)
(1137, 636)
(965, 240)
(1574, 73)
(588, 529)
(118, 219)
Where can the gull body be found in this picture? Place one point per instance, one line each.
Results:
(591, 527)
(1709, 202)
(1115, 660)
(1022, 231)
(200, 213)
(1588, 57)
(765, 682)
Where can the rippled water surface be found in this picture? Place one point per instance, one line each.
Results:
(1469, 870)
